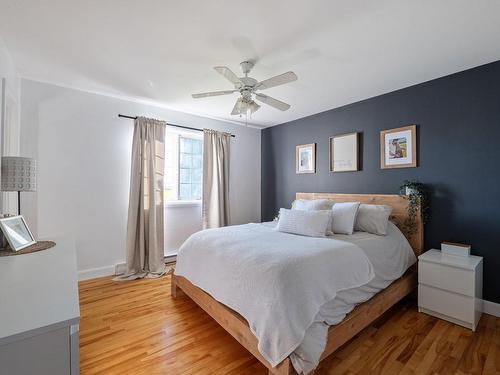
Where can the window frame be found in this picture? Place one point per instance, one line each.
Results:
(176, 201)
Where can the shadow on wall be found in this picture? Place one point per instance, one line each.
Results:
(441, 215)
(268, 162)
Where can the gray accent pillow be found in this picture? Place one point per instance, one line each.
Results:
(373, 218)
(344, 217)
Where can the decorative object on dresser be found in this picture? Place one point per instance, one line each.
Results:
(38, 246)
(398, 147)
(16, 232)
(18, 174)
(451, 287)
(305, 158)
(456, 249)
(344, 152)
(418, 203)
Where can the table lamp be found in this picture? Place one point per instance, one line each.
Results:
(18, 174)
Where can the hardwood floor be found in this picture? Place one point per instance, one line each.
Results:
(135, 327)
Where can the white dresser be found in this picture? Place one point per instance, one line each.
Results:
(39, 313)
(450, 287)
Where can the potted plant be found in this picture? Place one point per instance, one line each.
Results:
(417, 193)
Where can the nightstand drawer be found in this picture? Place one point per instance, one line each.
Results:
(450, 304)
(454, 279)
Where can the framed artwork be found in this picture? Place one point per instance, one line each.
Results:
(344, 152)
(305, 158)
(16, 232)
(398, 147)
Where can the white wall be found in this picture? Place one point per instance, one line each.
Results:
(9, 134)
(180, 223)
(8, 70)
(83, 152)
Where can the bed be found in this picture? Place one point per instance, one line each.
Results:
(336, 335)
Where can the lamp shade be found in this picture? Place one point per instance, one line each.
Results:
(18, 173)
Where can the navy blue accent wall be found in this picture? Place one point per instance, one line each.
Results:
(458, 118)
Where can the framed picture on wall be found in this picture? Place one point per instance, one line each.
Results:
(398, 147)
(305, 158)
(344, 152)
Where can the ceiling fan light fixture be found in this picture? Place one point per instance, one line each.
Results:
(253, 107)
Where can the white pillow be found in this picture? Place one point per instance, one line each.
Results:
(373, 218)
(312, 204)
(306, 223)
(344, 217)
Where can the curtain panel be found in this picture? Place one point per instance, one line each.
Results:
(215, 203)
(145, 227)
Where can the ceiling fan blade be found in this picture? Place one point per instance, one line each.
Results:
(237, 107)
(272, 102)
(277, 80)
(228, 74)
(212, 93)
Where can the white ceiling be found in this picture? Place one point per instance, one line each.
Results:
(162, 51)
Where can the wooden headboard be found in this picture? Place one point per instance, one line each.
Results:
(399, 206)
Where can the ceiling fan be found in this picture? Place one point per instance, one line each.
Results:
(248, 86)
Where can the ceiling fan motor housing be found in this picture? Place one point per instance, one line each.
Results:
(246, 66)
(248, 83)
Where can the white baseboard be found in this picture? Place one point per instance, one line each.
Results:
(170, 258)
(93, 273)
(112, 270)
(120, 268)
(491, 308)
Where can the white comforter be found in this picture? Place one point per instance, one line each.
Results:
(390, 256)
(276, 281)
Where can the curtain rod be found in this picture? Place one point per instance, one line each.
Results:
(177, 126)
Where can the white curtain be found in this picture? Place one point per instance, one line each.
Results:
(215, 204)
(145, 228)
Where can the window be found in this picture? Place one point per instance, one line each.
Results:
(183, 166)
(190, 168)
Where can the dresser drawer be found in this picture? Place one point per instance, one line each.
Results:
(454, 279)
(453, 305)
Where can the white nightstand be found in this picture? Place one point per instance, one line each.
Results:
(451, 287)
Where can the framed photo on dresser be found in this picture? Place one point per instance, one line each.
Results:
(398, 147)
(16, 232)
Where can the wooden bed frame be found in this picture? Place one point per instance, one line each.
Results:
(358, 319)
